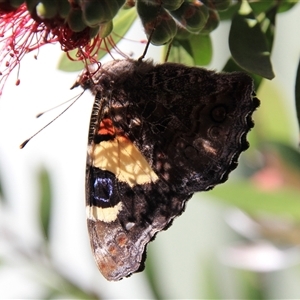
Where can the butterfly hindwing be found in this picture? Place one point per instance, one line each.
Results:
(158, 134)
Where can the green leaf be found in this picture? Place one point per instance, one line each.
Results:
(248, 45)
(261, 6)
(180, 52)
(284, 202)
(232, 66)
(289, 154)
(297, 94)
(270, 22)
(273, 108)
(45, 201)
(258, 7)
(286, 5)
(228, 13)
(195, 50)
(201, 46)
(122, 23)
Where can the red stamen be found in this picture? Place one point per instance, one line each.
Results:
(21, 33)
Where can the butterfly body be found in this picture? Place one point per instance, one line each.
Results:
(158, 134)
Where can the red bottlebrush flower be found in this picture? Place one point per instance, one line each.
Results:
(16, 37)
(22, 32)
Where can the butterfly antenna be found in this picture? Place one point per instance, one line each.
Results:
(52, 108)
(26, 141)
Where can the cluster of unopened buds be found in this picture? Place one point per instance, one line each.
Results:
(171, 18)
(83, 24)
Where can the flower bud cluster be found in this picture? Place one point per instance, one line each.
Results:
(163, 19)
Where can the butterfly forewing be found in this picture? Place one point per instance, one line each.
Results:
(158, 134)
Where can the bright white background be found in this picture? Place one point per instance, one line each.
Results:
(61, 148)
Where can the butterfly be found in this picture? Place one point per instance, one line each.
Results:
(158, 134)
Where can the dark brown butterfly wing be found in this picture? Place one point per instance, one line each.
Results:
(158, 134)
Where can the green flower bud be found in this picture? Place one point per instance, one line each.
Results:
(192, 16)
(94, 31)
(156, 3)
(120, 3)
(105, 29)
(164, 31)
(158, 19)
(46, 9)
(63, 8)
(172, 4)
(147, 11)
(220, 4)
(128, 4)
(97, 12)
(212, 22)
(75, 20)
(182, 34)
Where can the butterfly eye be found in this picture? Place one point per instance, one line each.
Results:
(218, 113)
(103, 188)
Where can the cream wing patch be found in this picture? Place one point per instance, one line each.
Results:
(107, 215)
(121, 157)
